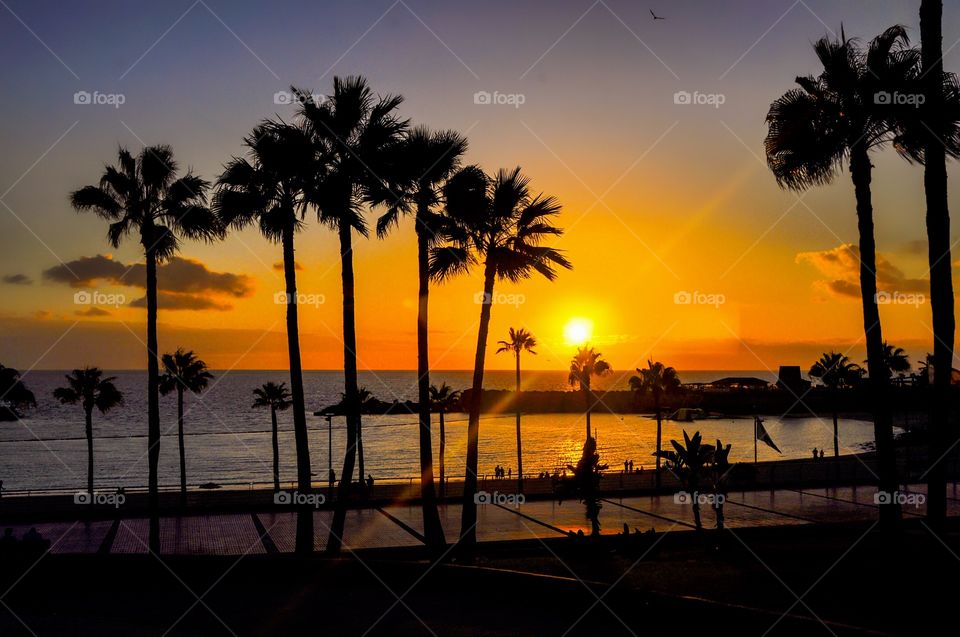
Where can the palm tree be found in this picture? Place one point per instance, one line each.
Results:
(835, 371)
(813, 131)
(498, 223)
(354, 133)
(519, 340)
(14, 394)
(587, 363)
(90, 389)
(689, 461)
(142, 196)
(277, 398)
(422, 163)
(270, 189)
(443, 399)
(657, 380)
(183, 371)
(895, 359)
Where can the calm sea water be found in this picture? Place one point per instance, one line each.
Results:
(228, 442)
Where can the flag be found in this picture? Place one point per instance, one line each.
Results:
(765, 437)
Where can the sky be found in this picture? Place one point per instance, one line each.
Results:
(684, 248)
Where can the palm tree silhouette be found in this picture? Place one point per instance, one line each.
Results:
(277, 398)
(143, 197)
(498, 223)
(270, 190)
(689, 462)
(586, 364)
(835, 371)
(813, 131)
(183, 371)
(657, 380)
(895, 359)
(354, 134)
(14, 394)
(443, 398)
(422, 163)
(934, 135)
(518, 341)
(90, 389)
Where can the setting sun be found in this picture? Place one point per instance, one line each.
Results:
(577, 331)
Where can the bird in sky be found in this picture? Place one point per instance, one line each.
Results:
(655, 16)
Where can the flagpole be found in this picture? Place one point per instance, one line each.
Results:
(755, 420)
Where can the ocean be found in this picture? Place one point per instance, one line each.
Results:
(228, 441)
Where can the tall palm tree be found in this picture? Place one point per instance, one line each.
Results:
(90, 388)
(443, 399)
(518, 341)
(354, 132)
(183, 371)
(939, 125)
(422, 163)
(269, 188)
(497, 223)
(814, 130)
(277, 398)
(142, 196)
(835, 371)
(658, 380)
(586, 363)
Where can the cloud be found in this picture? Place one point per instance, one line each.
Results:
(171, 301)
(43, 314)
(278, 266)
(915, 246)
(179, 274)
(17, 279)
(842, 267)
(92, 311)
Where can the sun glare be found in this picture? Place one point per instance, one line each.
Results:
(577, 331)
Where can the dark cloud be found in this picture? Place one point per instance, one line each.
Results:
(92, 312)
(916, 246)
(169, 301)
(180, 275)
(17, 279)
(842, 267)
(278, 266)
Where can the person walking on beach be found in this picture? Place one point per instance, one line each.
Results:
(815, 453)
(631, 466)
(509, 472)
(821, 454)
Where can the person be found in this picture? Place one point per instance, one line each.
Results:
(370, 481)
(510, 472)
(1, 488)
(631, 465)
(626, 466)
(821, 454)
(814, 453)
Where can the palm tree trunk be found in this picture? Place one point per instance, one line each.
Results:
(468, 518)
(586, 397)
(836, 435)
(938, 239)
(432, 529)
(183, 455)
(696, 512)
(519, 446)
(304, 541)
(656, 476)
(351, 389)
(861, 173)
(153, 401)
(443, 451)
(276, 449)
(89, 430)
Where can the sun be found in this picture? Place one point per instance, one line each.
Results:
(577, 331)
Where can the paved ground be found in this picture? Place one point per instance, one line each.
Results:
(397, 526)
